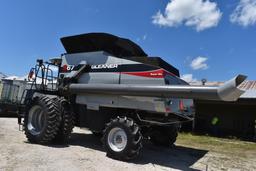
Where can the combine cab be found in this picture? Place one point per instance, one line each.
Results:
(112, 87)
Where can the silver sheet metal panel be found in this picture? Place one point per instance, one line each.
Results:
(249, 94)
(250, 89)
(11, 90)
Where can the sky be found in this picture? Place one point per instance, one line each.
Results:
(213, 39)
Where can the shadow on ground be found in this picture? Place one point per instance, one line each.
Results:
(178, 157)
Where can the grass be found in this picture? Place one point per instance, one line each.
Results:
(219, 145)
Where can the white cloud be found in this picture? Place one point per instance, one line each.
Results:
(245, 13)
(200, 14)
(144, 37)
(199, 63)
(188, 78)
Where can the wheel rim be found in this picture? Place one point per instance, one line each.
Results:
(117, 139)
(36, 120)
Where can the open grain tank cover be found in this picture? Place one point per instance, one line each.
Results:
(92, 42)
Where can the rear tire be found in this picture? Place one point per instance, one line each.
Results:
(164, 136)
(67, 121)
(42, 120)
(122, 139)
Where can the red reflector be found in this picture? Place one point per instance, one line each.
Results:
(168, 109)
(64, 68)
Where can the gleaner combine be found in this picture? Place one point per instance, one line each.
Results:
(112, 87)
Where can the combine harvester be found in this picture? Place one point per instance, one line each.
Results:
(109, 85)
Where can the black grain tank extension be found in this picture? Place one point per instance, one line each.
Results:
(117, 46)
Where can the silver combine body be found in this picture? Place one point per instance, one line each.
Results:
(112, 87)
(106, 73)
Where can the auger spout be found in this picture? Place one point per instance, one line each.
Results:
(229, 91)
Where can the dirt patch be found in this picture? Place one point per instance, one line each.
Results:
(85, 152)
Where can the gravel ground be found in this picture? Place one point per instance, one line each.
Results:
(85, 153)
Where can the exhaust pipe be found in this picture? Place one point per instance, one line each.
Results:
(229, 91)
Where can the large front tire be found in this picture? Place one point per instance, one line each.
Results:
(42, 120)
(122, 139)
